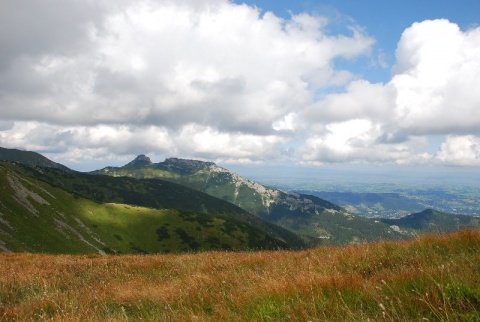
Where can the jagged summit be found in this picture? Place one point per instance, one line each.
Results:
(143, 158)
(139, 162)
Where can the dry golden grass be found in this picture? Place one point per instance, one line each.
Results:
(434, 278)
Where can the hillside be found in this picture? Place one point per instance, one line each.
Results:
(29, 158)
(213, 180)
(38, 217)
(433, 221)
(154, 193)
(434, 278)
(290, 219)
(319, 221)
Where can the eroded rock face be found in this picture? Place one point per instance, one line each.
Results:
(23, 195)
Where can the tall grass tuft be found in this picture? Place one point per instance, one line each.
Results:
(434, 278)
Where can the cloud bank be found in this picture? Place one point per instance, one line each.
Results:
(216, 80)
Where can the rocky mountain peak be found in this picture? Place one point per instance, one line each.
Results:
(143, 158)
(140, 161)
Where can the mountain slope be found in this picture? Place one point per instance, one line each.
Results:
(318, 220)
(38, 217)
(147, 193)
(433, 221)
(434, 278)
(154, 193)
(29, 158)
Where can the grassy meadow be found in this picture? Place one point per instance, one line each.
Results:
(433, 278)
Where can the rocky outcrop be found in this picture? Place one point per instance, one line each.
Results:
(185, 165)
(139, 162)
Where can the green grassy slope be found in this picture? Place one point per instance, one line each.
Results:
(201, 176)
(38, 217)
(317, 220)
(154, 193)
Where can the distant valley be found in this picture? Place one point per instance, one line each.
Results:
(380, 200)
(388, 195)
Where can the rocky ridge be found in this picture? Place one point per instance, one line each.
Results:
(307, 215)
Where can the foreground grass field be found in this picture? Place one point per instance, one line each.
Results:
(434, 278)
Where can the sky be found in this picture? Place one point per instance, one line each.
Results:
(243, 83)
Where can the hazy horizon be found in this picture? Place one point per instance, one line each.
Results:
(341, 174)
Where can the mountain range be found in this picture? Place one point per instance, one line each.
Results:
(316, 220)
(175, 206)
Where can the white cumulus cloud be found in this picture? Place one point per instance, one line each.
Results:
(215, 70)
(460, 150)
(437, 68)
(432, 92)
(217, 80)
